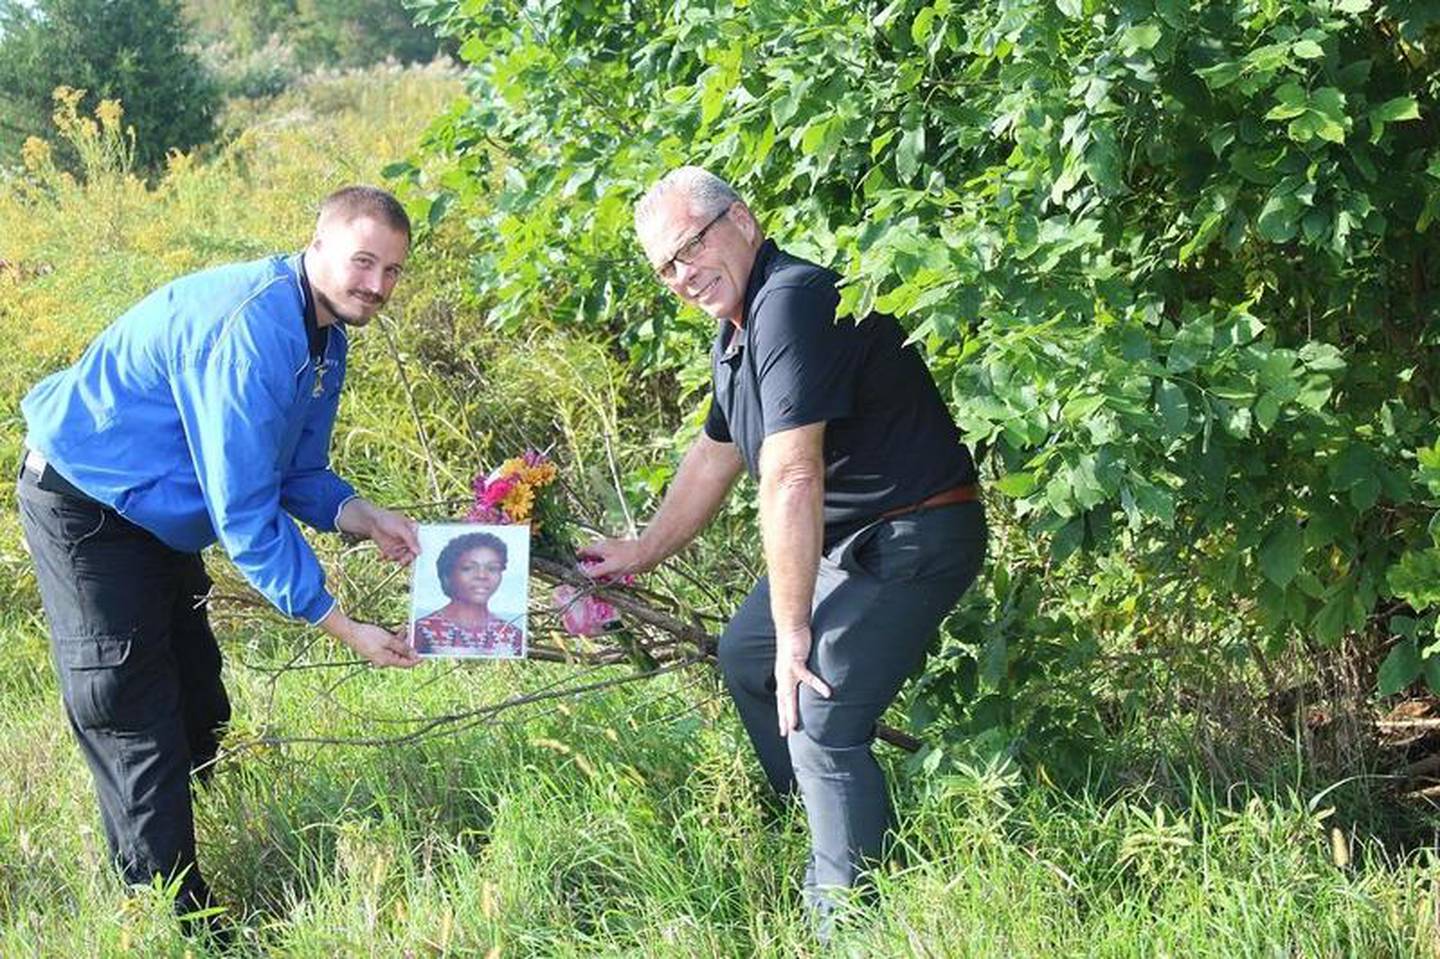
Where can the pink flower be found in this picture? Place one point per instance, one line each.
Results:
(487, 515)
(583, 614)
(496, 490)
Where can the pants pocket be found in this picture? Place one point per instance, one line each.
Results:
(77, 521)
(106, 682)
(892, 552)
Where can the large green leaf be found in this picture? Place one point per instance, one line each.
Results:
(1401, 668)
(1416, 578)
(1282, 553)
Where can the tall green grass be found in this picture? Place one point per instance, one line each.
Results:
(630, 822)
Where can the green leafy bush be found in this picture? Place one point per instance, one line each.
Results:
(255, 41)
(1171, 262)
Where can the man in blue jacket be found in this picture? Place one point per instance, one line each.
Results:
(202, 414)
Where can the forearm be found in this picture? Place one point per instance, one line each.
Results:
(704, 479)
(792, 525)
(356, 517)
(315, 497)
(375, 644)
(792, 528)
(270, 553)
(337, 624)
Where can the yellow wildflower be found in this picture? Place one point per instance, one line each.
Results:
(519, 502)
(542, 475)
(511, 467)
(178, 163)
(67, 103)
(110, 112)
(35, 154)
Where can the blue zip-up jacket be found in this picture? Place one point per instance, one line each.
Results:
(200, 414)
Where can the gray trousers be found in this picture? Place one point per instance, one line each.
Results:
(880, 597)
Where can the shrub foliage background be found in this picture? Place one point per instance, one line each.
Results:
(133, 51)
(1172, 263)
(628, 822)
(257, 48)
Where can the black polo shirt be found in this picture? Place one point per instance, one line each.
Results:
(889, 439)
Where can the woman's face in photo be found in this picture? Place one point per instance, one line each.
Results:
(476, 576)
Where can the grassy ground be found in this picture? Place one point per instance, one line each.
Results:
(629, 822)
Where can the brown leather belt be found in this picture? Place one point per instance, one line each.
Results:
(968, 493)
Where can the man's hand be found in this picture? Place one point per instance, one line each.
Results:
(395, 534)
(375, 644)
(792, 651)
(607, 559)
(704, 479)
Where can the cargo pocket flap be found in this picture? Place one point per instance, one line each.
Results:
(105, 651)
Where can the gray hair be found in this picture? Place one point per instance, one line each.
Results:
(707, 194)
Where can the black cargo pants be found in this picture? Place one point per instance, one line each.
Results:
(139, 671)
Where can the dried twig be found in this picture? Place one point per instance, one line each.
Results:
(384, 323)
(431, 725)
(669, 642)
(620, 598)
(1408, 723)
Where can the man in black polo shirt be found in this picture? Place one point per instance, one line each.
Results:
(868, 510)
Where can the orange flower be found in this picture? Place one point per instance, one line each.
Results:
(519, 502)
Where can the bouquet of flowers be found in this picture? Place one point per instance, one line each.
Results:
(508, 495)
(512, 494)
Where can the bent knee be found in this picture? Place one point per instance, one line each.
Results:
(742, 669)
(818, 751)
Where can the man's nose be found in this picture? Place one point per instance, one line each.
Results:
(684, 272)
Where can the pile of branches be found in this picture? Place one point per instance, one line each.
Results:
(652, 637)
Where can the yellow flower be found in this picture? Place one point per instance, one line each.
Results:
(67, 102)
(512, 466)
(110, 112)
(178, 163)
(35, 154)
(538, 476)
(519, 502)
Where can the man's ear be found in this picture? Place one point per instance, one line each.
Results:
(745, 220)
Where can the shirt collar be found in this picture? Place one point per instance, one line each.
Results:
(759, 272)
(732, 340)
(317, 338)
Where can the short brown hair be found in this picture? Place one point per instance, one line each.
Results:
(352, 202)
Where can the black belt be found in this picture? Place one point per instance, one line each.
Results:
(50, 480)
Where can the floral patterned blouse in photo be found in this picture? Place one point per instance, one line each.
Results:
(435, 634)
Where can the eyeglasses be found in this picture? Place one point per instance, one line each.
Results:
(688, 250)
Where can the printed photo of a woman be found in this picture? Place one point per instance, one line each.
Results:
(470, 569)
